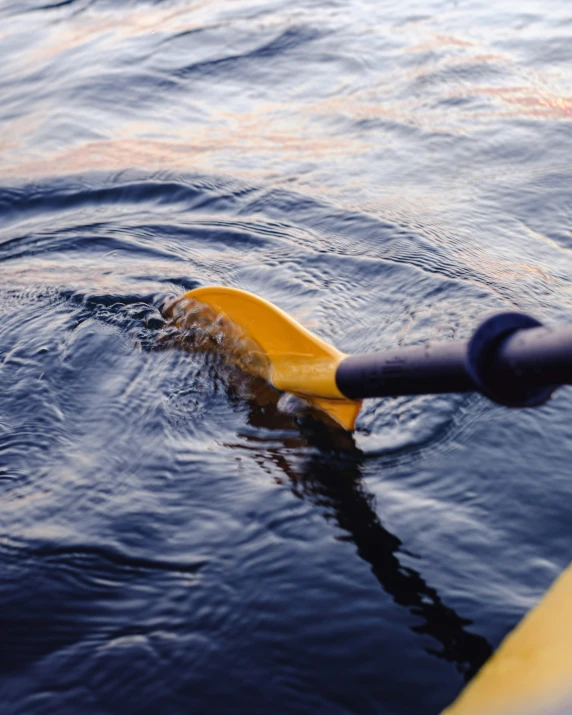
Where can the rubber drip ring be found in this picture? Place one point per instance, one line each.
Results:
(481, 352)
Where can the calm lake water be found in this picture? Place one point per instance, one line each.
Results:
(172, 540)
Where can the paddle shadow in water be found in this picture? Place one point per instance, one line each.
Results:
(332, 479)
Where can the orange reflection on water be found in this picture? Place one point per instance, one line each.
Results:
(535, 98)
(555, 106)
(439, 41)
(544, 106)
(93, 24)
(109, 155)
(230, 139)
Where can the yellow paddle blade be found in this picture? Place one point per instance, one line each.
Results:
(344, 412)
(265, 341)
(531, 672)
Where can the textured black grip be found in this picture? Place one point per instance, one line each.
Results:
(516, 377)
(417, 370)
(536, 357)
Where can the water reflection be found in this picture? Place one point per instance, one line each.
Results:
(331, 478)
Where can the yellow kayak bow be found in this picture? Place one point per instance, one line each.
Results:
(531, 672)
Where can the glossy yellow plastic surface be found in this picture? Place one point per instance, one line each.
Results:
(300, 362)
(531, 672)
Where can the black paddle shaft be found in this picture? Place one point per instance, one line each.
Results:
(511, 358)
(430, 368)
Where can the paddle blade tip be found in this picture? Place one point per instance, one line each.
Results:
(343, 412)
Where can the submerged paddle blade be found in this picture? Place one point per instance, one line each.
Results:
(263, 340)
(344, 412)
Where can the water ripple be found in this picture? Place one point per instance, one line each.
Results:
(388, 176)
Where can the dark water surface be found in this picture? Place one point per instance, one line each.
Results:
(171, 538)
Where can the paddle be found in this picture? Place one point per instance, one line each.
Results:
(511, 358)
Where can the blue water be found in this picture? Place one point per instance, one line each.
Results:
(171, 539)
